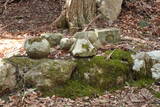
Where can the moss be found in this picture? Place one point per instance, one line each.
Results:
(85, 46)
(101, 73)
(23, 61)
(121, 55)
(144, 82)
(73, 89)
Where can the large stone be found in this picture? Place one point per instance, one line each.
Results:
(110, 35)
(110, 8)
(66, 43)
(8, 78)
(147, 62)
(43, 74)
(50, 74)
(37, 47)
(83, 48)
(53, 38)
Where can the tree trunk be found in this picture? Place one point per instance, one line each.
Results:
(76, 14)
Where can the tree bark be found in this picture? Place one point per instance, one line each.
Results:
(76, 14)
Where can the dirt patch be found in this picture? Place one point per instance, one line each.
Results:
(26, 15)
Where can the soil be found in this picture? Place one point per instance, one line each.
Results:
(26, 16)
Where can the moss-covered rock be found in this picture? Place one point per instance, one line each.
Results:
(37, 47)
(53, 38)
(7, 77)
(43, 74)
(103, 73)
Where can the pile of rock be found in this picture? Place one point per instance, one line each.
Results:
(82, 44)
(94, 73)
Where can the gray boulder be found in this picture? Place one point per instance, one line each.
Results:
(83, 48)
(66, 43)
(37, 47)
(53, 38)
(110, 35)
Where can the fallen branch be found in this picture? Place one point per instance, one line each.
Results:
(109, 56)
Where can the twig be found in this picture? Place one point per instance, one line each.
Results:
(109, 56)
(5, 4)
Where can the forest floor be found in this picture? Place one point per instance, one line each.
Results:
(140, 25)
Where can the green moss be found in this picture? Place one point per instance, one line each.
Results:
(120, 55)
(73, 89)
(85, 46)
(142, 83)
(102, 73)
(23, 61)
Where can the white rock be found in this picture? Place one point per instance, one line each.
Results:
(156, 71)
(149, 61)
(138, 64)
(155, 55)
(83, 48)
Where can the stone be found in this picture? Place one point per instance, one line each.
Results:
(37, 47)
(8, 78)
(154, 55)
(102, 73)
(83, 48)
(110, 8)
(43, 74)
(156, 71)
(147, 62)
(50, 74)
(53, 38)
(66, 43)
(110, 35)
(91, 36)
